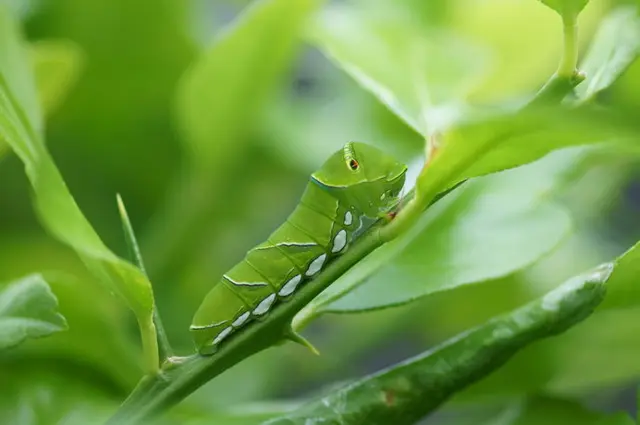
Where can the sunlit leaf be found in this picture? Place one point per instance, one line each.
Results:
(422, 76)
(20, 127)
(224, 89)
(486, 145)
(218, 101)
(615, 46)
(57, 65)
(404, 393)
(28, 309)
(566, 7)
(487, 228)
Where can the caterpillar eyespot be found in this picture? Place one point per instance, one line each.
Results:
(337, 206)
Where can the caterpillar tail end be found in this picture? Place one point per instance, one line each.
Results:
(291, 335)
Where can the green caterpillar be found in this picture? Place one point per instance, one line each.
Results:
(342, 199)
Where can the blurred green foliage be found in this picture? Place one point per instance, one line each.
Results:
(210, 138)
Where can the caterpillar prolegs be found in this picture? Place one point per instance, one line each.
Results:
(342, 199)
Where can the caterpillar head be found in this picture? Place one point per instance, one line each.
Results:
(363, 176)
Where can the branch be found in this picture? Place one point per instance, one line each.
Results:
(405, 393)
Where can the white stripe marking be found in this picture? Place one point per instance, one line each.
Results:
(213, 325)
(348, 218)
(244, 283)
(361, 224)
(339, 241)
(301, 244)
(240, 320)
(222, 335)
(316, 265)
(264, 305)
(290, 286)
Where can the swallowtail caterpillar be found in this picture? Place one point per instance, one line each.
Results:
(352, 189)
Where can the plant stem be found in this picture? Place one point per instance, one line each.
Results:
(149, 345)
(567, 76)
(569, 61)
(175, 381)
(408, 391)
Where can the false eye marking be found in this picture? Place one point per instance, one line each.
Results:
(264, 305)
(350, 157)
(348, 218)
(316, 265)
(290, 286)
(222, 335)
(339, 241)
(241, 320)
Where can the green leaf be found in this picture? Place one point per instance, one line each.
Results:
(404, 393)
(218, 102)
(223, 90)
(566, 8)
(421, 76)
(136, 256)
(602, 352)
(57, 65)
(625, 282)
(39, 394)
(485, 229)
(615, 46)
(21, 128)
(486, 145)
(28, 309)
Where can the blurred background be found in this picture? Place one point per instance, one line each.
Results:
(124, 126)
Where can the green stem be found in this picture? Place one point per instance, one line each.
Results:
(410, 390)
(149, 345)
(176, 381)
(567, 76)
(569, 61)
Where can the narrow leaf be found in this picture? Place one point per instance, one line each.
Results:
(54, 203)
(57, 66)
(615, 47)
(437, 70)
(405, 393)
(136, 256)
(28, 309)
(130, 237)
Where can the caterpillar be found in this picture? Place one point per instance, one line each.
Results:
(350, 191)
